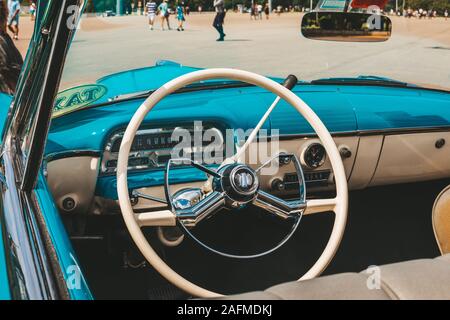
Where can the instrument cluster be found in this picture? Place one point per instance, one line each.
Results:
(152, 148)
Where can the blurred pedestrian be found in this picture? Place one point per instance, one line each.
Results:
(151, 12)
(267, 10)
(180, 16)
(33, 11)
(252, 12)
(446, 14)
(409, 13)
(164, 13)
(219, 18)
(259, 9)
(10, 59)
(13, 17)
(279, 9)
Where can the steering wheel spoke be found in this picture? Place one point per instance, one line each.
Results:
(320, 205)
(162, 218)
(190, 206)
(212, 203)
(279, 207)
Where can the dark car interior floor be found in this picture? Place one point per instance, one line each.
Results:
(385, 225)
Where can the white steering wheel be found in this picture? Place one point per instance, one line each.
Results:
(135, 221)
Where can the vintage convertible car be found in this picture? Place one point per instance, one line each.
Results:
(96, 204)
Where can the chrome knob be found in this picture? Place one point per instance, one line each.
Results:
(345, 152)
(278, 185)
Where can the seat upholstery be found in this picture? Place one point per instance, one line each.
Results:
(441, 220)
(416, 279)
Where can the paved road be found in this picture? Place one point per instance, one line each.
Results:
(418, 52)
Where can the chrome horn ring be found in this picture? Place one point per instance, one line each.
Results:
(234, 187)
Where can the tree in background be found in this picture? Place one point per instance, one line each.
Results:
(207, 5)
(100, 6)
(438, 5)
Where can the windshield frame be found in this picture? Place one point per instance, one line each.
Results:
(30, 115)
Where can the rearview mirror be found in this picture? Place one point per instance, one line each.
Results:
(346, 26)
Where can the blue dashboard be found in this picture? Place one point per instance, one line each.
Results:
(342, 108)
(349, 109)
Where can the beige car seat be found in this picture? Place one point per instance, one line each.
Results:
(441, 220)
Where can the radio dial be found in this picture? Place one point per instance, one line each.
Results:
(278, 185)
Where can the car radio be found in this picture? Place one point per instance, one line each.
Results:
(152, 148)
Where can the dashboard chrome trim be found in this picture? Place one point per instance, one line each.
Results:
(410, 130)
(72, 154)
(362, 133)
(153, 156)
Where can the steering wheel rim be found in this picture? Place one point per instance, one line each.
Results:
(338, 205)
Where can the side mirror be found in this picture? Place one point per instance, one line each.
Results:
(346, 26)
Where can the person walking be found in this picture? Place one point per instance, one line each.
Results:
(151, 12)
(409, 13)
(219, 18)
(10, 59)
(180, 16)
(267, 10)
(446, 14)
(259, 9)
(13, 17)
(163, 9)
(252, 12)
(33, 11)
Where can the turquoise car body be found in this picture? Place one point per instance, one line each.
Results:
(4, 283)
(5, 101)
(63, 247)
(348, 109)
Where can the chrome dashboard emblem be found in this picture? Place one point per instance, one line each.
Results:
(244, 180)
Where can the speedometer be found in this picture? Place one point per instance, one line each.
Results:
(314, 155)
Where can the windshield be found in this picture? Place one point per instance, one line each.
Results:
(115, 37)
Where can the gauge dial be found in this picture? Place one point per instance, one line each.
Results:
(314, 155)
